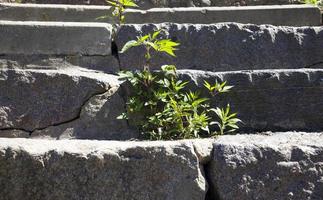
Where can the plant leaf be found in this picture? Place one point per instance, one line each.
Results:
(128, 45)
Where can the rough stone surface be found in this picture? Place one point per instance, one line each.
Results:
(280, 166)
(35, 99)
(81, 169)
(97, 120)
(55, 38)
(145, 4)
(230, 46)
(290, 15)
(269, 100)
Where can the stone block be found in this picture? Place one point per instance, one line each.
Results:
(276, 166)
(55, 38)
(229, 46)
(82, 169)
(268, 100)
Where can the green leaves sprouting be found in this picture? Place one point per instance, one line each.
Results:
(152, 41)
(161, 106)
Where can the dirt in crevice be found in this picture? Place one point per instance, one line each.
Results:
(211, 194)
(115, 52)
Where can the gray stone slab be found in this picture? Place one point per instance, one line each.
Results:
(229, 46)
(268, 100)
(277, 166)
(146, 4)
(35, 99)
(49, 12)
(97, 120)
(63, 103)
(83, 169)
(55, 38)
(290, 15)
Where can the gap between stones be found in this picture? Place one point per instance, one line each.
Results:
(204, 165)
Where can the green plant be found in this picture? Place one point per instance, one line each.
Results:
(311, 2)
(118, 12)
(151, 41)
(160, 104)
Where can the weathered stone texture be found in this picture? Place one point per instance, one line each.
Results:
(35, 99)
(230, 46)
(97, 120)
(55, 38)
(281, 166)
(268, 166)
(81, 169)
(268, 100)
(69, 102)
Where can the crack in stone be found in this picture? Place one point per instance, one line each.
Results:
(123, 87)
(204, 166)
(30, 132)
(78, 116)
(314, 64)
(115, 53)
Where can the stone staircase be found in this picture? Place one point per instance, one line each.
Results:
(58, 86)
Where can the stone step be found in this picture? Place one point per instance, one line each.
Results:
(290, 15)
(269, 100)
(77, 103)
(145, 4)
(55, 38)
(81, 169)
(213, 47)
(278, 166)
(229, 46)
(271, 166)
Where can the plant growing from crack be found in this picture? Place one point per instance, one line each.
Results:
(161, 106)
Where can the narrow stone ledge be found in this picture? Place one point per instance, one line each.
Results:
(107, 64)
(53, 12)
(55, 38)
(82, 169)
(288, 15)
